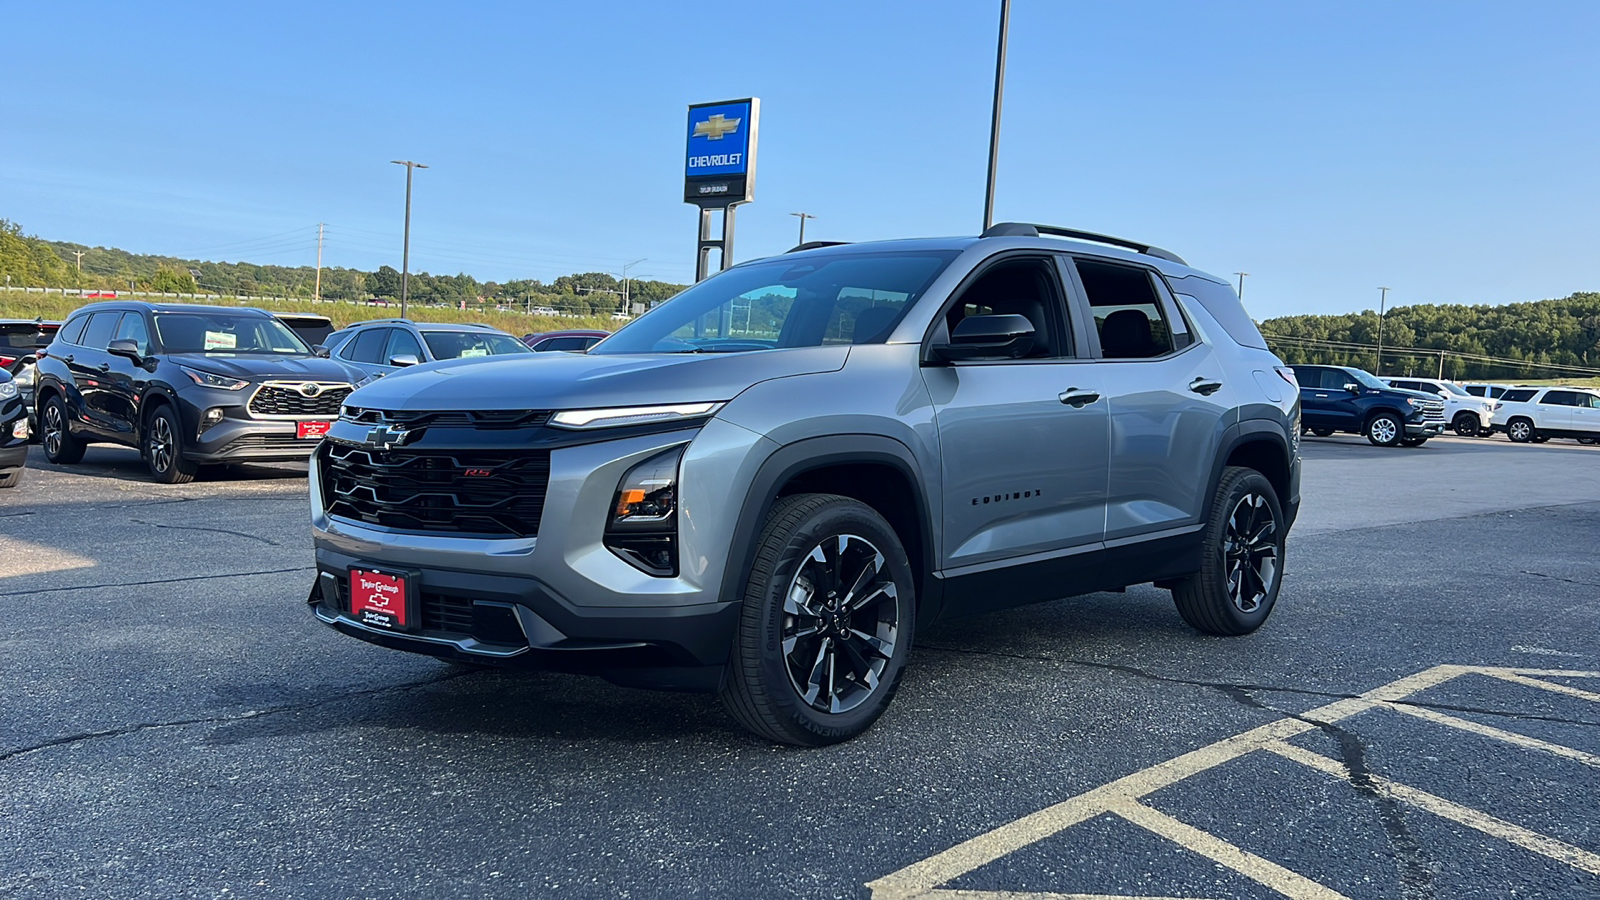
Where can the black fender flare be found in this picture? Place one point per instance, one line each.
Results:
(54, 387)
(807, 455)
(1246, 431)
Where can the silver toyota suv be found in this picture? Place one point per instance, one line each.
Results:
(763, 486)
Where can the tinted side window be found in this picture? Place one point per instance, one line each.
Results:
(1518, 395)
(101, 326)
(1404, 385)
(1308, 377)
(367, 346)
(403, 343)
(73, 331)
(1127, 311)
(1497, 392)
(133, 328)
(565, 343)
(1475, 390)
(1560, 398)
(1025, 287)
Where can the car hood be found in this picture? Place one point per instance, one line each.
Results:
(268, 366)
(582, 381)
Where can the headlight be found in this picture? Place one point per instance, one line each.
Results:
(631, 415)
(8, 390)
(643, 519)
(1415, 401)
(206, 379)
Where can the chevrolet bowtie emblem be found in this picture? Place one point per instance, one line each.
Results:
(716, 127)
(385, 437)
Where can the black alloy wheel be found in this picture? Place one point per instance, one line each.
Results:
(827, 623)
(164, 448)
(61, 446)
(1520, 430)
(1465, 425)
(1242, 563)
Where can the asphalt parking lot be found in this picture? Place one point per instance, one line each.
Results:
(1420, 718)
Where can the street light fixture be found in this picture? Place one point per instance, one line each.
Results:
(803, 218)
(1383, 300)
(405, 253)
(627, 308)
(1241, 283)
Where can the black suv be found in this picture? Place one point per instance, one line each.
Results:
(187, 385)
(1339, 398)
(13, 432)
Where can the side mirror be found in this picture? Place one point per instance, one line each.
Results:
(1004, 336)
(1353, 388)
(402, 360)
(126, 348)
(321, 351)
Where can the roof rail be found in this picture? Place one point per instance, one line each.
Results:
(371, 321)
(1025, 229)
(812, 245)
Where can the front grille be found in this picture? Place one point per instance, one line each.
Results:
(432, 491)
(1433, 410)
(279, 400)
(486, 420)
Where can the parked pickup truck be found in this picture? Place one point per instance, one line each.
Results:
(1340, 398)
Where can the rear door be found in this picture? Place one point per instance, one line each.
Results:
(1316, 401)
(1169, 400)
(91, 373)
(365, 351)
(1554, 410)
(1586, 415)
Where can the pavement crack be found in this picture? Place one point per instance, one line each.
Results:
(16, 515)
(1559, 578)
(116, 584)
(222, 719)
(242, 534)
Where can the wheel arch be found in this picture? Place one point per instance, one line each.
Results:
(878, 471)
(1257, 444)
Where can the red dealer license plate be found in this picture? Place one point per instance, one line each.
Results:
(383, 600)
(311, 429)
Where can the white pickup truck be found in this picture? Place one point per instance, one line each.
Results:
(1467, 415)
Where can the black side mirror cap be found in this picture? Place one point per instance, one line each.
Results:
(127, 348)
(321, 351)
(1002, 336)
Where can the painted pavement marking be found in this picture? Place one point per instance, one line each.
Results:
(921, 880)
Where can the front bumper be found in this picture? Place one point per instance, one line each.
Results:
(517, 622)
(240, 440)
(1424, 429)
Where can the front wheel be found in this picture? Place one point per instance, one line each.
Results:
(1466, 425)
(1385, 430)
(61, 446)
(826, 626)
(164, 449)
(1242, 563)
(1520, 430)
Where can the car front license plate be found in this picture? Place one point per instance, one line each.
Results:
(314, 429)
(385, 600)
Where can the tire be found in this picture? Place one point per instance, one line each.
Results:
(61, 446)
(1384, 429)
(1322, 432)
(1586, 440)
(163, 448)
(1520, 430)
(1466, 425)
(10, 481)
(1540, 438)
(1243, 555)
(782, 681)
(1413, 442)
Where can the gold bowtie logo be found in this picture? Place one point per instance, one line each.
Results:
(716, 127)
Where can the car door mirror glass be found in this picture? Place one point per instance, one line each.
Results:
(997, 336)
(404, 359)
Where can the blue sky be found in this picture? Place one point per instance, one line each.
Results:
(1445, 149)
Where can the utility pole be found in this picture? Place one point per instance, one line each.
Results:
(803, 218)
(79, 255)
(1383, 300)
(316, 293)
(994, 123)
(405, 254)
(626, 308)
(1441, 365)
(1241, 283)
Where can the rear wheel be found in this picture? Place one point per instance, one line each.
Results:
(827, 623)
(1413, 442)
(9, 481)
(1465, 425)
(1242, 563)
(163, 446)
(1385, 430)
(61, 446)
(1520, 430)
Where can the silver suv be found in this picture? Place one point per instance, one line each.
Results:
(762, 487)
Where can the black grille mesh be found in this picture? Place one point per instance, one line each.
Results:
(272, 400)
(432, 491)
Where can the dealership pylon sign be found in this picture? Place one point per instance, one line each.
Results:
(719, 169)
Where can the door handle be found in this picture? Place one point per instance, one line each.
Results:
(1322, 396)
(1205, 387)
(67, 359)
(105, 367)
(1078, 399)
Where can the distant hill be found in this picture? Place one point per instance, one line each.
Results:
(35, 262)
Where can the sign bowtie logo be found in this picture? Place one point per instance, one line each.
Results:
(716, 128)
(385, 437)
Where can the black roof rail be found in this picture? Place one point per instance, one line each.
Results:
(812, 245)
(1025, 229)
(372, 321)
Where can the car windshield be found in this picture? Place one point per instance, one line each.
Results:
(853, 298)
(1454, 388)
(225, 333)
(469, 344)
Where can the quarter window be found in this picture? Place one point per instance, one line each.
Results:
(73, 330)
(367, 347)
(1127, 311)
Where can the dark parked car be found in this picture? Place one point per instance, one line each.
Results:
(187, 385)
(381, 346)
(312, 328)
(13, 432)
(20, 342)
(1339, 398)
(564, 340)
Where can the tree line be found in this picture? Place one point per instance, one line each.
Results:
(34, 262)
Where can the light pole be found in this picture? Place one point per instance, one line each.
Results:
(405, 254)
(1383, 300)
(994, 123)
(803, 218)
(1241, 283)
(626, 308)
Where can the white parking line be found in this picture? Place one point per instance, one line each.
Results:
(921, 880)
